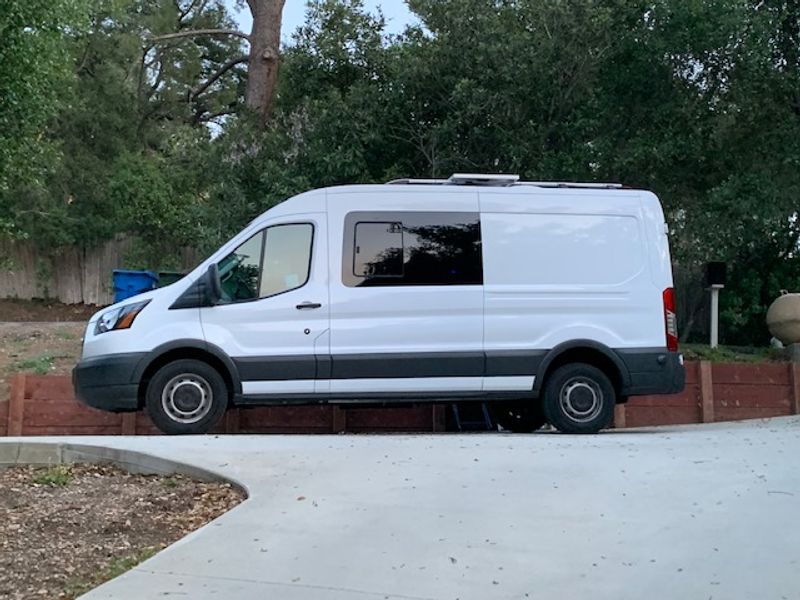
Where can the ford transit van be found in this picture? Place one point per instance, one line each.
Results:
(551, 301)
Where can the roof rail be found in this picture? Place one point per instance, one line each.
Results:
(569, 184)
(417, 182)
(501, 180)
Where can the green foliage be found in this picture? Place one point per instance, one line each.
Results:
(56, 476)
(731, 353)
(117, 566)
(34, 69)
(41, 365)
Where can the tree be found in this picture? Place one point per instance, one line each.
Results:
(262, 58)
(262, 63)
(34, 69)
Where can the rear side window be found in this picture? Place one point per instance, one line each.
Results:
(378, 249)
(412, 248)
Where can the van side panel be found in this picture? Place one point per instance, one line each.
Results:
(656, 236)
(417, 333)
(560, 267)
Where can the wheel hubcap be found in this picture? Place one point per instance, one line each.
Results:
(581, 399)
(187, 398)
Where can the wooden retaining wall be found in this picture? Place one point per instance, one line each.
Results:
(720, 392)
(45, 405)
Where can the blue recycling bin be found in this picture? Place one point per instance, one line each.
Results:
(129, 283)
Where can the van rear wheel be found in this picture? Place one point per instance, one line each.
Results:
(579, 398)
(519, 416)
(186, 397)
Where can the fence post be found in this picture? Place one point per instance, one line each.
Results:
(232, 418)
(128, 423)
(707, 391)
(16, 406)
(339, 419)
(438, 418)
(794, 383)
(619, 416)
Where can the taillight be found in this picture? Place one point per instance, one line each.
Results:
(670, 320)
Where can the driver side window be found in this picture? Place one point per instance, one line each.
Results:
(273, 261)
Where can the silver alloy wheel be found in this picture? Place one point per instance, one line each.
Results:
(187, 398)
(581, 399)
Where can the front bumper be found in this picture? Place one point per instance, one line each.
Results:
(108, 382)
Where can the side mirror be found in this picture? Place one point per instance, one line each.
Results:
(213, 285)
(205, 291)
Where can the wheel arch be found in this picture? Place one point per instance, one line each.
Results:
(188, 348)
(589, 352)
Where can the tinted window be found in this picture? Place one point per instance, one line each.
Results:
(412, 248)
(272, 261)
(378, 250)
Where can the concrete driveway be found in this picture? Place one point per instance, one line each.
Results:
(706, 512)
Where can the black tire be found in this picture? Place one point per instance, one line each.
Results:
(579, 398)
(186, 397)
(519, 416)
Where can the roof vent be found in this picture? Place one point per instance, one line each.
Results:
(482, 179)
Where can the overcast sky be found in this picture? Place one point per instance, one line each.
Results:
(396, 13)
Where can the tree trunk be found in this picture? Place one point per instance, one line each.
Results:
(262, 65)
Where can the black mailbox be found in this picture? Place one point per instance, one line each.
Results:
(716, 273)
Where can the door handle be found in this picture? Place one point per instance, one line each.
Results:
(308, 305)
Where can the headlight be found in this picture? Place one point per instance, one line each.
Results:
(119, 318)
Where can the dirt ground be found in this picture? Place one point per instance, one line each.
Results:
(39, 348)
(44, 310)
(39, 336)
(66, 529)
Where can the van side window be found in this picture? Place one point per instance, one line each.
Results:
(378, 250)
(287, 258)
(240, 271)
(273, 261)
(412, 248)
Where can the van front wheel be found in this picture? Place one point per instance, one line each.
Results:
(186, 396)
(579, 398)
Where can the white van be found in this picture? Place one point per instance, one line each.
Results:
(553, 301)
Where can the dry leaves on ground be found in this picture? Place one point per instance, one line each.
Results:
(68, 528)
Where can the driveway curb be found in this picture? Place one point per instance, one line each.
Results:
(46, 454)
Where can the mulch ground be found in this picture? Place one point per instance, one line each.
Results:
(66, 529)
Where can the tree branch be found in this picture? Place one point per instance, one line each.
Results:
(220, 72)
(197, 32)
(182, 14)
(200, 117)
(217, 115)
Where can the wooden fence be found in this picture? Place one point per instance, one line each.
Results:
(45, 405)
(70, 274)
